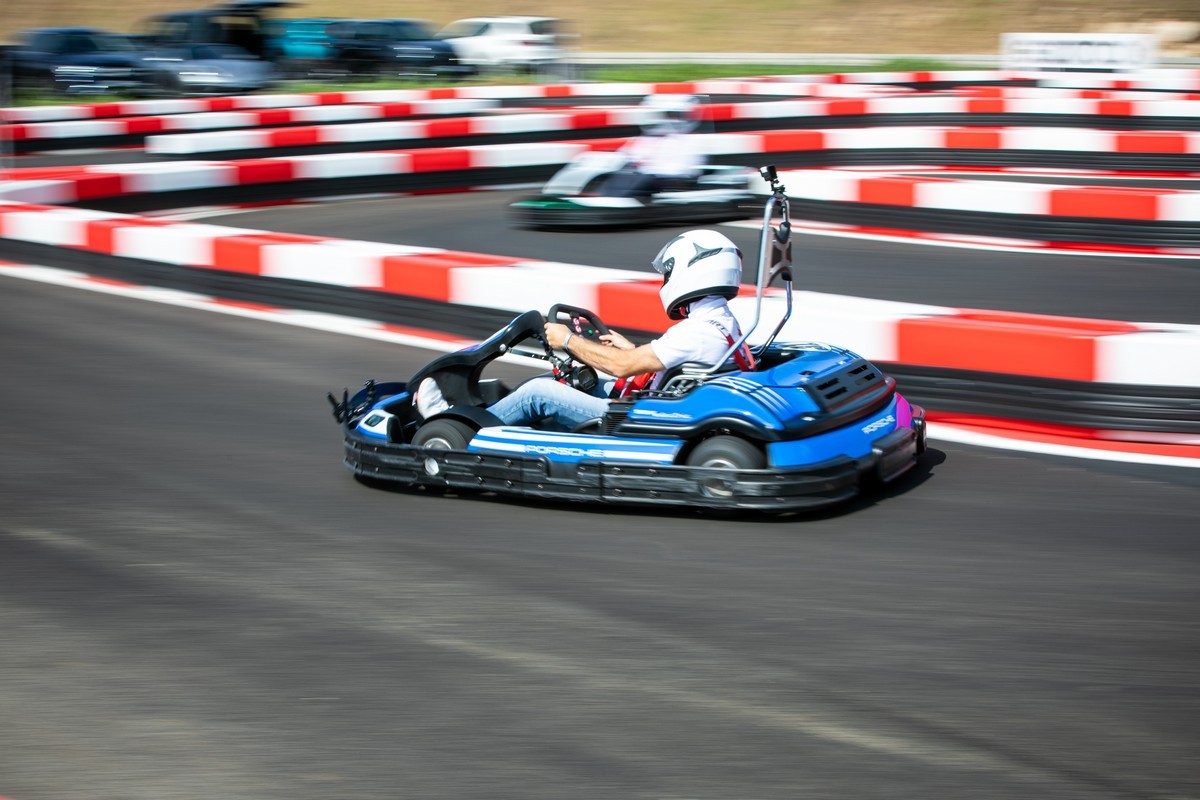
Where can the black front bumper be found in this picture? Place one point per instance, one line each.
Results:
(567, 216)
(768, 490)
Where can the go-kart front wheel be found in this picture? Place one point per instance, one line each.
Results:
(725, 452)
(441, 434)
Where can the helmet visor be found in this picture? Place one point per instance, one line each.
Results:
(663, 263)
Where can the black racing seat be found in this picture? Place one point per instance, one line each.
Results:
(688, 375)
(457, 374)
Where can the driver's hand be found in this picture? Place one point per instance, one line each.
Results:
(555, 334)
(614, 339)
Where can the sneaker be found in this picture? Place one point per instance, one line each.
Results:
(429, 399)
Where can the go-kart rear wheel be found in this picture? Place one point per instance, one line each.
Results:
(443, 434)
(725, 452)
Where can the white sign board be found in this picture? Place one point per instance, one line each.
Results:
(1108, 52)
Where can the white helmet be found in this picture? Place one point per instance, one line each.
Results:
(697, 264)
(669, 113)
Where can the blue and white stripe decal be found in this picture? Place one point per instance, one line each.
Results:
(374, 424)
(771, 399)
(572, 447)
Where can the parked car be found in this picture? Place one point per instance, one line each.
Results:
(300, 47)
(505, 43)
(209, 69)
(391, 47)
(242, 23)
(77, 60)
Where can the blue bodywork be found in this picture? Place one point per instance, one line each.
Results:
(827, 420)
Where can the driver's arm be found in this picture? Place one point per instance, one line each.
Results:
(611, 360)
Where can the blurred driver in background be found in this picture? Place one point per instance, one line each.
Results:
(665, 156)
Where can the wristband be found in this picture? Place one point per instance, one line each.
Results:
(566, 340)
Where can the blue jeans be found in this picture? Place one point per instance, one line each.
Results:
(555, 405)
(630, 183)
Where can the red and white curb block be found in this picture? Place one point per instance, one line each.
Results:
(1046, 92)
(158, 127)
(243, 103)
(1090, 350)
(932, 239)
(1164, 79)
(856, 84)
(995, 197)
(247, 118)
(838, 85)
(1002, 434)
(1022, 344)
(367, 132)
(903, 104)
(77, 184)
(1180, 80)
(1047, 139)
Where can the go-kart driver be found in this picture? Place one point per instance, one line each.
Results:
(702, 270)
(664, 156)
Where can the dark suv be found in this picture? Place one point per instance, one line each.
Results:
(242, 23)
(390, 47)
(77, 61)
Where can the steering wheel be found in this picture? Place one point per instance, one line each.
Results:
(582, 323)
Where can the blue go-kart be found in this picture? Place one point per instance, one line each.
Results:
(811, 425)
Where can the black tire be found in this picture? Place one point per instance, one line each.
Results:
(444, 434)
(725, 452)
(173, 86)
(45, 85)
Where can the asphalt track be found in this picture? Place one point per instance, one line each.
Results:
(198, 601)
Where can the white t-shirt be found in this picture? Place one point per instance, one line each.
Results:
(672, 156)
(696, 338)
